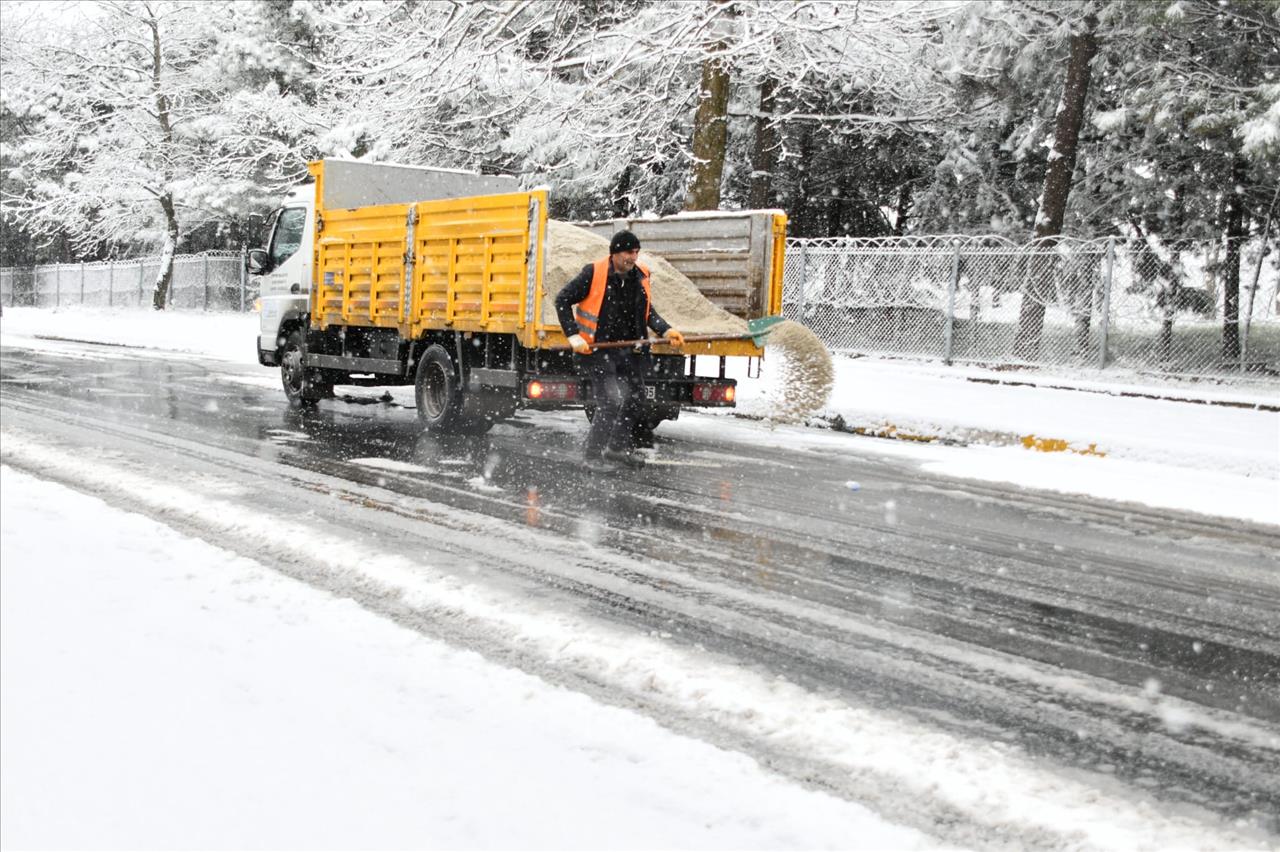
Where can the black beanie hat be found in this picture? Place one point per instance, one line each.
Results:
(623, 241)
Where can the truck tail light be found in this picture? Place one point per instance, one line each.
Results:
(708, 393)
(558, 391)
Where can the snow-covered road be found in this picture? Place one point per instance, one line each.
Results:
(159, 692)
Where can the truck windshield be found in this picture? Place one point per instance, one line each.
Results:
(288, 234)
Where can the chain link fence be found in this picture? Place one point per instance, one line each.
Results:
(1092, 304)
(211, 281)
(1061, 302)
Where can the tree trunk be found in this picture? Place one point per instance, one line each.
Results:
(160, 295)
(904, 206)
(164, 275)
(1231, 264)
(764, 156)
(1057, 183)
(710, 133)
(800, 209)
(621, 201)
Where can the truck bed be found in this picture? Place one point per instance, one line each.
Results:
(477, 261)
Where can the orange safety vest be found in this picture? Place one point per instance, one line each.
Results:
(587, 312)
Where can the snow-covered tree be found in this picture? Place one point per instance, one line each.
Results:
(1189, 129)
(151, 122)
(609, 101)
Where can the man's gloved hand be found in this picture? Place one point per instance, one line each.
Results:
(674, 337)
(580, 344)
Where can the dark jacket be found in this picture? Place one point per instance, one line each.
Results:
(621, 312)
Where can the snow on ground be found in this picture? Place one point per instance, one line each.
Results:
(972, 785)
(1209, 453)
(199, 699)
(159, 692)
(225, 336)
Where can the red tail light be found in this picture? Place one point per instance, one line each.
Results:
(547, 390)
(713, 393)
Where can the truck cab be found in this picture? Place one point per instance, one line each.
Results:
(282, 272)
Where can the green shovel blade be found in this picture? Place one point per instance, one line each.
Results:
(759, 329)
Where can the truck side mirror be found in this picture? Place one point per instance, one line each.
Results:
(258, 261)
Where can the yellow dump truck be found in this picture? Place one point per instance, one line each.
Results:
(378, 274)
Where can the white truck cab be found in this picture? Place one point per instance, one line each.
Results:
(282, 271)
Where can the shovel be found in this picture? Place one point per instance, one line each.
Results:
(757, 330)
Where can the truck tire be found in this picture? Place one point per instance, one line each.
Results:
(642, 431)
(439, 396)
(303, 386)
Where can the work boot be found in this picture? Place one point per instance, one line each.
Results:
(630, 458)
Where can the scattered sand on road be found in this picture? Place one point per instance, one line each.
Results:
(803, 374)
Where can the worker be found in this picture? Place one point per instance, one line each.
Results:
(610, 300)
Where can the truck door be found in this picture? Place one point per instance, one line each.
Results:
(284, 285)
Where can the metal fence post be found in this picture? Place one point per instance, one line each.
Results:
(804, 277)
(141, 274)
(1104, 325)
(206, 282)
(57, 285)
(111, 282)
(949, 326)
(82, 265)
(244, 266)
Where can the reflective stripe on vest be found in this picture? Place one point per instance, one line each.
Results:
(587, 312)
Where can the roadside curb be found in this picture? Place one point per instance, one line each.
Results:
(1162, 397)
(960, 437)
(968, 437)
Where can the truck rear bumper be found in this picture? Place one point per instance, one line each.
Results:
(682, 392)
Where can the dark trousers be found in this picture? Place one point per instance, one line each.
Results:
(617, 389)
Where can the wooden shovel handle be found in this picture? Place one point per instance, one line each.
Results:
(656, 341)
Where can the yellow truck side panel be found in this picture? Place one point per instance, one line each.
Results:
(472, 266)
(359, 268)
(473, 263)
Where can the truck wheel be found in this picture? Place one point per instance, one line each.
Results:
(440, 397)
(642, 431)
(302, 386)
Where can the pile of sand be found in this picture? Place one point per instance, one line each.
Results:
(805, 371)
(569, 248)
